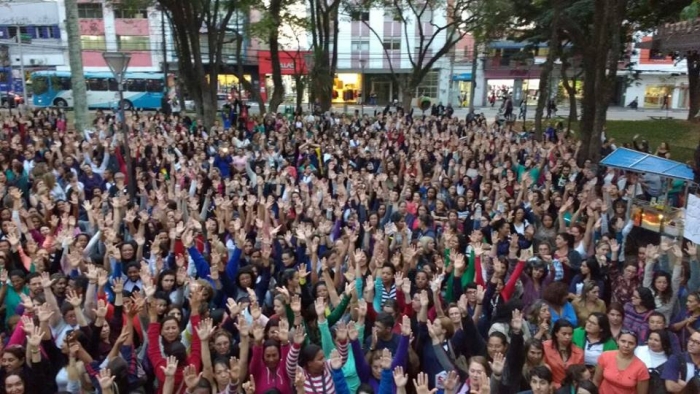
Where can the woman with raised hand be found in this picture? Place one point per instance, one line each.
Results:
(176, 349)
(317, 370)
(664, 285)
(267, 364)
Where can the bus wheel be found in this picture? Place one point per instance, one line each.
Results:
(127, 105)
(60, 103)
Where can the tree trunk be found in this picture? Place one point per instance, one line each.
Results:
(278, 86)
(409, 93)
(693, 61)
(75, 57)
(547, 69)
(299, 81)
(570, 91)
(601, 71)
(472, 92)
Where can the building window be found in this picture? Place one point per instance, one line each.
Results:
(429, 86)
(126, 12)
(361, 16)
(392, 44)
(356, 46)
(90, 10)
(46, 32)
(134, 43)
(93, 43)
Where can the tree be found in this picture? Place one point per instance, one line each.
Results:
(323, 24)
(75, 60)
(200, 30)
(299, 75)
(435, 26)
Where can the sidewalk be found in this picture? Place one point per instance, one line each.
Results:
(614, 113)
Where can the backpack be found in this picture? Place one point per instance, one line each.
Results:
(656, 384)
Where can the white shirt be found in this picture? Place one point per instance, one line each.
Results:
(650, 358)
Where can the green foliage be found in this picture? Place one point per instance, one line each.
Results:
(692, 11)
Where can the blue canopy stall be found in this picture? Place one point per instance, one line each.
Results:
(658, 214)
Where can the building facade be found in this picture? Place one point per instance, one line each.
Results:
(659, 80)
(106, 26)
(30, 40)
(373, 42)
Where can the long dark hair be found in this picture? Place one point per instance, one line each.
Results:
(667, 294)
(665, 340)
(646, 297)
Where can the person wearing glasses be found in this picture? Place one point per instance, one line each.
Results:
(594, 338)
(620, 371)
(683, 367)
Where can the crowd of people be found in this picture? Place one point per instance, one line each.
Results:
(394, 253)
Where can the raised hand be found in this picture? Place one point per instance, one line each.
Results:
(406, 326)
(205, 329)
(336, 360)
(105, 379)
(171, 367)
(421, 384)
(190, 377)
(385, 361)
(299, 335)
(516, 321)
(400, 378)
(498, 364)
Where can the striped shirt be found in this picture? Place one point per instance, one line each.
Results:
(322, 384)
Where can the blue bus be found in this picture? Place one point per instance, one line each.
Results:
(141, 90)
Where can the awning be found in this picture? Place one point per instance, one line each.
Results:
(632, 160)
(462, 77)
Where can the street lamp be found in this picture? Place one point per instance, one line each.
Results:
(362, 86)
(118, 62)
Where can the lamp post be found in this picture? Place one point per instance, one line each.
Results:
(362, 86)
(118, 62)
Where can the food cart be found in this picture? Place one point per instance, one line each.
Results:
(657, 215)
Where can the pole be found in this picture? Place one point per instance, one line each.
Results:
(21, 66)
(362, 90)
(125, 143)
(472, 91)
(164, 47)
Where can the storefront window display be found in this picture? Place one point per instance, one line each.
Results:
(347, 88)
(655, 96)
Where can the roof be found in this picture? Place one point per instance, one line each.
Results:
(632, 160)
(675, 37)
(100, 74)
(510, 44)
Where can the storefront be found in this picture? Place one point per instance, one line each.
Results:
(461, 89)
(229, 83)
(293, 65)
(347, 88)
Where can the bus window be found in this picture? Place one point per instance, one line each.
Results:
(97, 84)
(64, 83)
(40, 85)
(136, 85)
(113, 85)
(154, 85)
